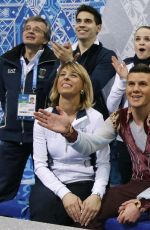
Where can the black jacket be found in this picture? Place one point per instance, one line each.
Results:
(12, 129)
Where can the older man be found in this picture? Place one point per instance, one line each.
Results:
(25, 71)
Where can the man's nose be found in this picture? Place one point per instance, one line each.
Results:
(82, 23)
(136, 87)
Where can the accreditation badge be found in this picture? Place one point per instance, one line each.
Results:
(26, 106)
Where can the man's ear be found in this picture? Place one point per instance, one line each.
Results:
(99, 28)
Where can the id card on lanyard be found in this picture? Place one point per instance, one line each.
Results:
(27, 102)
(26, 106)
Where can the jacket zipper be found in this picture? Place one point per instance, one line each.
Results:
(22, 121)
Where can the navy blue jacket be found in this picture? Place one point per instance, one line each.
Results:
(12, 129)
(97, 62)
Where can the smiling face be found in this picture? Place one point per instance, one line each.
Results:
(34, 34)
(138, 90)
(69, 83)
(86, 28)
(142, 43)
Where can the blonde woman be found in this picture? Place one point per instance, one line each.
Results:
(69, 187)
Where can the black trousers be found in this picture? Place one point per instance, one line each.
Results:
(46, 207)
(13, 158)
(124, 162)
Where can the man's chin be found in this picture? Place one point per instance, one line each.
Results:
(31, 45)
(82, 38)
(136, 105)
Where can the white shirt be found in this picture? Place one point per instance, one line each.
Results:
(145, 194)
(105, 135)
(69, 165)
(117, 92)
(33, 62)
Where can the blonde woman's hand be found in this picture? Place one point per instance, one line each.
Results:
(90, 207)
(59, 123)
(72, 205)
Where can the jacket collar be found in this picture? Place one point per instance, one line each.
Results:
(135, 60)
(14, 54)
(75, 45)
(80, 114)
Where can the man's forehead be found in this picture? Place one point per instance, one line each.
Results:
(85, 14)
(138, 76)
(36, 23)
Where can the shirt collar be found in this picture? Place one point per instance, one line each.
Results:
(33, 63)
(146, 122)
(36, 57)
(74, 46)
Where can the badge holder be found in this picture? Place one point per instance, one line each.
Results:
(26, 106)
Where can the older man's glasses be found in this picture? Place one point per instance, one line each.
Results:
(35, 29)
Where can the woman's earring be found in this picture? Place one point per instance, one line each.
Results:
(82, 92)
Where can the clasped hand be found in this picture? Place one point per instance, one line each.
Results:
(81, 211)
(128, 212)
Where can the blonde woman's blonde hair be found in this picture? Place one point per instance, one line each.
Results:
(86, 97)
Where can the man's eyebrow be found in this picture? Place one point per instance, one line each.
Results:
(85, 18)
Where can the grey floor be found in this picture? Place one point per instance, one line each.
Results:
(16, 224)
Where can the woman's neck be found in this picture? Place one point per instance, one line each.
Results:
(69, 106)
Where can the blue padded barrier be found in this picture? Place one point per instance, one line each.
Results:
(142, 224)
(19, 206)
